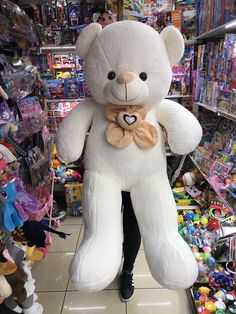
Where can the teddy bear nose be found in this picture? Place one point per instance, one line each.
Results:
(125, 78)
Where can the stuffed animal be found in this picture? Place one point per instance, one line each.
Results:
(15, 277)
(9, 217)
(128, 70)
(23, 297)
(7, 267)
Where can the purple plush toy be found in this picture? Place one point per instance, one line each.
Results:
(25, 203)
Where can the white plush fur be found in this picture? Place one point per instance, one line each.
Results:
(86, 39)
(5, 288)
(134, 47)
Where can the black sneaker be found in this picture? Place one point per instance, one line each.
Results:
(126, 286)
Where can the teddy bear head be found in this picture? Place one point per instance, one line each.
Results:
(128, 62)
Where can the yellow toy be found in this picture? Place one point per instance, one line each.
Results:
(63, 75)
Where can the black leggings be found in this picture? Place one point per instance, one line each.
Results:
(132, 238)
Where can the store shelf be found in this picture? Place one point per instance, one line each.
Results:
(190, 42)
(229, 27)
(207, 179)
(218, 111)
(72, 100)
(57, 48)
(191, 207)
(226, 115)
(205, 106)
(65, 68)
(178, 96)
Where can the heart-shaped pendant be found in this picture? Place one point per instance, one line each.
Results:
(129, 119)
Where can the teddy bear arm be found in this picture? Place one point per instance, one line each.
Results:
(72, 131)
(183, 129)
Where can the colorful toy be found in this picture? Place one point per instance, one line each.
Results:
(61, 12)
(189, 216)
(115, 117)
(189, 22)
(213, 224)
(73, 11)
(204, 221)
(74, 88)
(32, 114)
(63, 75)
(73, 194)
(105, 18)
(204, 290)
(25, 203)
(22, 283)
(55, 89)
(210, 307)
(189, 179)
(10, 218)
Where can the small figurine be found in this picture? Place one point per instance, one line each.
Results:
(61, 6)
(73, 14)
(105, 18)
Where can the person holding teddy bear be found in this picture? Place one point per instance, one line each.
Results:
(132, 237)
(128, 69)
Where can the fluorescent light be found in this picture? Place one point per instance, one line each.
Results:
(142, 275)
(154, 304)
(231, 24)
(86, 308)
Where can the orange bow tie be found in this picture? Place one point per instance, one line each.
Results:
(128, 124)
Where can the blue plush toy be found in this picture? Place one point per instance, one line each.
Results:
(9, 217)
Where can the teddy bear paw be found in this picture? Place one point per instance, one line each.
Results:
(93, 273)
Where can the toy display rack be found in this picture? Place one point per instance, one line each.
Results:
(178, 96)
(217, 111)
(214, 33)
(209, 182)
(58, 48)
(229, 27)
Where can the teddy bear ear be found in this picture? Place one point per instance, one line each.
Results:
(86, 38)
(174, 43)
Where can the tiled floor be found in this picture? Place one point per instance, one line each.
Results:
(58, 295)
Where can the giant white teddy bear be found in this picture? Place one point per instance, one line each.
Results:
(128, 70)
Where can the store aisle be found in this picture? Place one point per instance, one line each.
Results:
(58, 295)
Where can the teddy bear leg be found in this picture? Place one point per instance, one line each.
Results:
(97, 261)
(170, 260)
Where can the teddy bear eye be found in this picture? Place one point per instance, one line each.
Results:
(143, 76)
(4, 194)
(111, 75)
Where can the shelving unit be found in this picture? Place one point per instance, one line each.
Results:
(215, 33)
(189, 42)
(226, 115)
(218, 111)
(191, 207)
(204, 175)
(178, 96)
(229, 27)
(70, 99)
(57, 48)
(206, 107)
